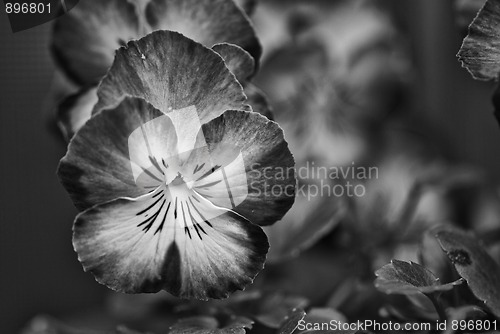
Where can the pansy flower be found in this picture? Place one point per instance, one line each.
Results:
(174, 176)
(84, 41)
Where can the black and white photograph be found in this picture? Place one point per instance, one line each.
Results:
(249, 166)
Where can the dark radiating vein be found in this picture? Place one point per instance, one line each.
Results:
(164, 163)
(150, 174)
(201, 228)
(193, 221)
(206, 185)
(155, 163)
(160, 228)
(186, 229)
(208, 172)
(175, 209)
(197, 168)
(204, 219)
(151, 220)
(160, 192)
(149, 207)
(150, 154)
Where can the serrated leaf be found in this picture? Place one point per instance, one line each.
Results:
(474, 264)
(291, 321)
(400, 277)
(480, 51)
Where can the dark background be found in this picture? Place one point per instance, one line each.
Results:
(39, 270)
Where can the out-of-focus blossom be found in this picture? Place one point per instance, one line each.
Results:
(333, 83)
(413, 192)
(173, 190)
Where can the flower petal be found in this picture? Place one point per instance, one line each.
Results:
(85, 38)
(239, 62)
(206, 21)
(258, 101)
(171, 72)
(171, 239)
(75, 111)
(268, 185)
(480, 51)
(103, 159)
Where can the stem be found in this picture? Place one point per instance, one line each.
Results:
(437, 305)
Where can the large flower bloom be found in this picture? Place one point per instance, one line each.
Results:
(85, 40)
(174, 176)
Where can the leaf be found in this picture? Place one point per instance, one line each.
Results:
(211, 325)
(291, 321)
(272, 309)
(400, 277)
(473, 263)
(324, 317)
(480, 51)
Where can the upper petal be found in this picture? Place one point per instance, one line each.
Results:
(171, 72)
(84, 40)
(118, 153)
(206, 21)
(256, 175)
(75, 111)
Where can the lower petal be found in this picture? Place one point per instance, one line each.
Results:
(170, 239)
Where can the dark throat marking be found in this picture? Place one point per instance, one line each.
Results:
(149, 207)
(151, 220)
(197, 168)
(204, 219)
(196, 226)
(164, 163)
(186, 229)
(160, 228)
